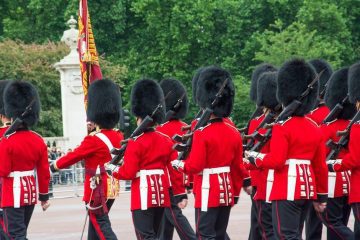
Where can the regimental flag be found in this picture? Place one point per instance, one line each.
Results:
(89, 59)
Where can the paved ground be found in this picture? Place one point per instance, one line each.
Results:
(65, 219)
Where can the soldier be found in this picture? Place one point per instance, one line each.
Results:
(266, 99)
(296, 150)
(255, 230)
(176, 107)
(337, 212)
(350, 161)
(100, 190)
(145, 161)
(215, 158)
(21, 152)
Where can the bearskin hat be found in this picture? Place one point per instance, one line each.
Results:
(322, 65)
(336, 91)
(194, 83)
(104, 103)
(264, 67)
(18, 96)
(210, 81)
(293, 78)
(3, 84)
(354, 82)
(266, 90)
(146, 95)
(175, 91)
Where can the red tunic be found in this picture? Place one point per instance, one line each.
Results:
(217, 145)
(23, 151)
(151, 150)
(95, 153)
(351, 161)
(297, 140)
(2, 131)
(340, 186)
(177, 179)
(319, 114)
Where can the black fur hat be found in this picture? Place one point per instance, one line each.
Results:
(3, 84)
(354, 82)
(104, 103)
(174, 91)
(194, 83)
(336, 91)
(320, 65)
(17, 96)
(264, 67)
(210, 81)
(293, 78)
(146, 95)
(266, 91)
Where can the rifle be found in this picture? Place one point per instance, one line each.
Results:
(146, 122)
(258, 111)
(343, 141)
(335, 112)
(175, 108)
(19, 120)
(185, 149)
(285, 114)
(187, 128)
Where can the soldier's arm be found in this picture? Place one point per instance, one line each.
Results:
(132, 158)
(43, 175)
(6, 162)
(321, 172)
(196, 160)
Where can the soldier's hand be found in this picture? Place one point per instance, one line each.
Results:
(45, 205)
(111, 167)
(183, 204)
(177, 164)
(248, 190)
(319, 207)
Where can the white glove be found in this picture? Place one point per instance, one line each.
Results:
(254, 155)
(111, 167)
(177, 164)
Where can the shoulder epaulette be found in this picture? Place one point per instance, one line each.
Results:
(163, 123)
(328, 123)
(282, 123)
(36, 133)
(202, 128)
(137, 137)
(314, 110)
(163, 134)
(233, 127)
(312, 121)
(9, 135)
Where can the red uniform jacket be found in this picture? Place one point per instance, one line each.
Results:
(259, 175)
(2, 131)
(151, 150)
(217, 145)
(177, 179)
(319, 114)
(95, 153)
(351, 161)
(23, 151)
(297, 139)
(340, 186)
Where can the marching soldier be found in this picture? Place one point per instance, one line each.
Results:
(215, 158)
(266, 99)
(313, 225)
(145, 161)
(176, 108)
(100, 190)
(350, 161)
(22, 152)
(255, 230)
(337, 212)
(296, 154)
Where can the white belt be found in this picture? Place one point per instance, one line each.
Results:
(17, 186)
(269, 184)
(144, 185)
(205, 187)
(331, 184)
(292, 175)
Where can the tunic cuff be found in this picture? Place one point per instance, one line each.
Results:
(322, 197)
(247, 182)
(43, 197)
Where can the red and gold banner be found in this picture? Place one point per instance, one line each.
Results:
(89, 59)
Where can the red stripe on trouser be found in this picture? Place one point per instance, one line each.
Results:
(7, 225)
(330, 225)
(263, 234)
(177, 225)
(197, 224)
(138, 235)
(277, 215)
(96, 226)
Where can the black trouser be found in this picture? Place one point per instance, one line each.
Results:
(173, 217)
(100, 226)
(288, 217)
(16, 221)
(336, 217)
(147, 222)
(265, 220)
(212, 224)
(313, 225)
(356, 210)
(255, 233)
